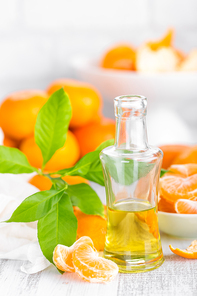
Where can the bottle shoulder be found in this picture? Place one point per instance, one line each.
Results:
(141, 155)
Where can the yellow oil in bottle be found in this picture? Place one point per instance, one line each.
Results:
(133, 239)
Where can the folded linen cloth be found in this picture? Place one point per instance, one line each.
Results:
(19, 240)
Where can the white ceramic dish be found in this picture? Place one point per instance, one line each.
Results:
(179, 225)
(170, 88)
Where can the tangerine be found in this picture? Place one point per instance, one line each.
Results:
(170, 152)
(187, 156)
(93, 226)
(18, 113)
(85, 100)
(64, 157)
(92, 135)
(120, 57)
(10, 142)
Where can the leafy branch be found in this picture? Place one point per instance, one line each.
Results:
(53, 209)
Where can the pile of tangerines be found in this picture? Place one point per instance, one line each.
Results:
(88, 127)
(87, 130)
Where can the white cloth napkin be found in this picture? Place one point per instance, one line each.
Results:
(19, 240)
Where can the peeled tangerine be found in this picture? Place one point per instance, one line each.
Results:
(179, 183)
(190, 252)
(158, 56)
(178, 189)
(83, 259)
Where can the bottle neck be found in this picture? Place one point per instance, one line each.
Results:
(131, 133)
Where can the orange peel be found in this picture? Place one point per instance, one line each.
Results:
(189, 253)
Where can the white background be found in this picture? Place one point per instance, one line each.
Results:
(39, 37)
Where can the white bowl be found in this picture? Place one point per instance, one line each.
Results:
(168, 88)
(179, 225)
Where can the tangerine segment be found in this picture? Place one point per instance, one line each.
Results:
(165, 206)
(62, 255)
(92, 268)
(189, 253)
(174, 187)
(170, 152)
(185, 170)
(184, 206)
(62, 258)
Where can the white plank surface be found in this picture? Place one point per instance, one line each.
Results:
(176, 277)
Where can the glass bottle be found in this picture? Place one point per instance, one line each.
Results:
(131, 171)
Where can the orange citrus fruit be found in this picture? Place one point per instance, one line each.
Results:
(62, 255)
(44, 183)
(180, 184)
(92, 135)
(93, 226)
(184, 206)
(10, 142)
(90, 267)
(120, 57)
(170, 152)
(189, 253)
(187, 156)
(85, 100)
(64, 157)
(18, 113)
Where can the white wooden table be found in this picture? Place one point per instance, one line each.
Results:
(177, 276)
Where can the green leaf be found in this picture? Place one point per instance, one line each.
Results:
(59, 226)
(58, 183)
(81, 168)
(52, 124)
(163, 172)
(126, 171)
(36, 206)
(95, 173)
(88, 166)
(13, 161)
(85, 198)
(105, 145)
